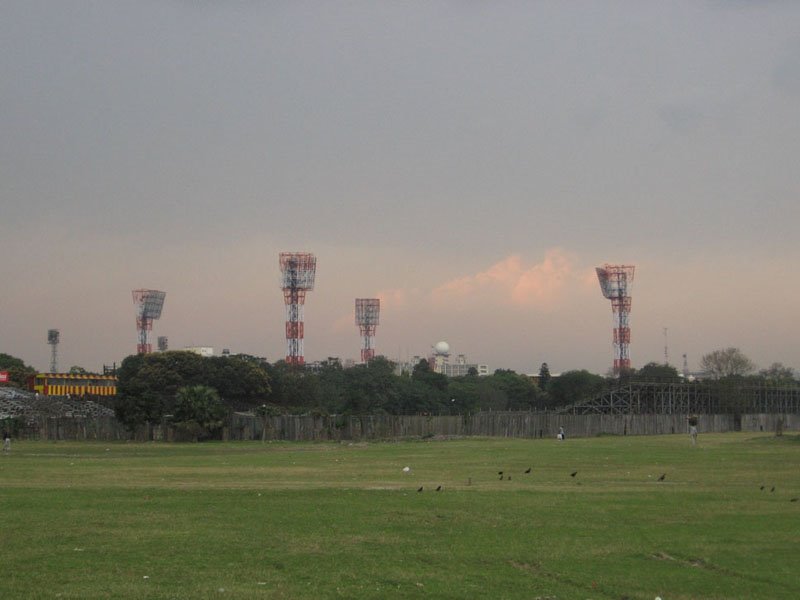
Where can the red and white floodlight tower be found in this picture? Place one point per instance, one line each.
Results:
(614, 282)
(149, 304)
(368, 312)
(298, 271)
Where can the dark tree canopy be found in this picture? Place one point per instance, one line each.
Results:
(572, 386)
(18, 371)
(149, 383)
(657, 371)
(544, 376)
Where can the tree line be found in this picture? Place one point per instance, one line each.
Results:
(197, 391)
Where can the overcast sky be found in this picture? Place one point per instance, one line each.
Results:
(468, 162)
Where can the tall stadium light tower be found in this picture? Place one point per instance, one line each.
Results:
(614, 282)
(53, 337)
(149, 304)
(368, 311)
(298, 271)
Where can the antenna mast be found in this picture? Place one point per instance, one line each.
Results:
(149, 304)
(614, 281)
(666, 348)
(53, 337)
(368, 312)
(298, 273)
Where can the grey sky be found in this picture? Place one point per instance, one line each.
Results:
(182, 145)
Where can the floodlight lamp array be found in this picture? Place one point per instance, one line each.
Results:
(53, 336)
(298, 271)
(368, 312)
(150, 303)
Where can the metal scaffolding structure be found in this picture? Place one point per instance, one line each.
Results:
(614, 283)
(368, 312)
(53, 338)
(644, 397)
(298, 271)
(149, 304)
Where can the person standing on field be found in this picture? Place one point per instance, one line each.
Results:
(6, 442)
(693, 429)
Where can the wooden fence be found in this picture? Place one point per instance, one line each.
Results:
(244, 426)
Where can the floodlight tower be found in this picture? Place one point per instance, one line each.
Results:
(298, 271)
(53, 337)
(614, 282)
(368, 311)
(149, 304)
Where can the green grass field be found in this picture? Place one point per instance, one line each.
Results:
(329, 520)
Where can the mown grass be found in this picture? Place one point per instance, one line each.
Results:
(283, 520)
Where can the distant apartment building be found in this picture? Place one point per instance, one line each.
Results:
(205, 351)
(439, 362)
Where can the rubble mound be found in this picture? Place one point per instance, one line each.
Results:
(15, 402)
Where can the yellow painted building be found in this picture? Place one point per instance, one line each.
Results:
(78, 384)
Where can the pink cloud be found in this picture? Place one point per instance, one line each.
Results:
(512, 282)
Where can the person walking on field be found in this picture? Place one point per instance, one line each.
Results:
(6, 442)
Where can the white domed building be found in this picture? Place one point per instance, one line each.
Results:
(440, 357)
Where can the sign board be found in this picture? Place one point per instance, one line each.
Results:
(3, 376)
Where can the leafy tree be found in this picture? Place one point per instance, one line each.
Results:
(520, 392)
(199, 412)
(76, 370)
(148, 383)
(544, 376)
(778, 374)
(728, 362)
(372, 388)
(654, 370)
(18, 371)
(137, 409)
(572, 386)
(424, 374)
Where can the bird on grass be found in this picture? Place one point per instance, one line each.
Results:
(663, 476)
(420, 489)
(793, 500)
(573, 474)
(439, 489)
(509, 477)
(761, 488)
(501, 478)
(499, 472)
(773, 489)
(528, 470)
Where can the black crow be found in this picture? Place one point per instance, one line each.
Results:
(761, 488)
(420, 489)
(528, 470)
(773, 489)
(499, 472)
(662, 477)
(439, 489)
(793, 500)
(573, 474)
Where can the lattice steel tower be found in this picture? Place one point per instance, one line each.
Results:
(614, 282)
(53, 337)
(298, 271)
(368, 311)
(149, 304)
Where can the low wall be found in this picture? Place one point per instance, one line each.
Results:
(375, 427)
